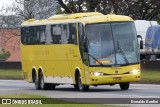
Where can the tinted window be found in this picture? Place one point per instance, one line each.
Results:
(23, 36)
(56, 32)
(49, 34)
(65, 34)
(82, 43)
(41, 34)
(72, 34)
(32, 35)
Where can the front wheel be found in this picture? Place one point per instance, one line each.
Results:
(124, 86)
(79, 84)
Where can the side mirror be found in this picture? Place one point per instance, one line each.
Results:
(141, 44)
(141, 41)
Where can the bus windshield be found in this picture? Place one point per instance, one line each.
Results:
(112, 43)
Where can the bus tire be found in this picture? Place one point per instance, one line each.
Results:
(124, 86)
(36, 81)
(43, 85)
(79, 84)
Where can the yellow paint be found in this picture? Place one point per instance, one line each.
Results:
(62, 60)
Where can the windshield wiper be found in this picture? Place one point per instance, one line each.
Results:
(95, 59)
(122, 52)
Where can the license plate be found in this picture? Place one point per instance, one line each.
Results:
(117, 78)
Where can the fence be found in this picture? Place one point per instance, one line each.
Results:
(145, 65)
(10, 65)
(150, 65)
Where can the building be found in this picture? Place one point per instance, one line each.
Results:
(9, 25)
(10, 41)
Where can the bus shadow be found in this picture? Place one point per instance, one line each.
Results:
(90, 90)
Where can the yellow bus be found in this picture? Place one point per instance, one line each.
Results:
(80, 49)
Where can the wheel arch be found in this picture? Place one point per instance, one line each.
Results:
(78, 70)
(40, 69)
(34, 72)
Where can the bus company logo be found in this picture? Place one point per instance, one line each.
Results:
(116, 71)
(6, 101)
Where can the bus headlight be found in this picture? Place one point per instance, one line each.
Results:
(97, 73)
(134, 71)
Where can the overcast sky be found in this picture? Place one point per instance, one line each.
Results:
(5, 2)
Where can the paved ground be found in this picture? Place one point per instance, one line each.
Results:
(67, 91)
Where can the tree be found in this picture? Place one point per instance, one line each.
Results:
(137, 9)
(158, 21)
(76, 6)
(26, 9)
(12, 16)
(21, 10)
(144, 9)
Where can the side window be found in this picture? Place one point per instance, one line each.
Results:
(80, 32)
(56, 32)
(36, 39)
(72, 33)
(32, 35)
(65, 34)
(27, 36)
(23, 36)
(42, 35)
(82, 41)
(48, 35)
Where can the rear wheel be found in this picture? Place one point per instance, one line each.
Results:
(79, 84)
(43, 85)
(36, 81)
(124, 86)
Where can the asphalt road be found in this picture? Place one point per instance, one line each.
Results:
(67, 91)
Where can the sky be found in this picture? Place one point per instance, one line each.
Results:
(5, 3)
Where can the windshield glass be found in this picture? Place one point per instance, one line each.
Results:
(112, 43)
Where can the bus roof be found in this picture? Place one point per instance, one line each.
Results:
(74, 16)
(89, 17)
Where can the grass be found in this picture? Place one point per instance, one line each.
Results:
(11, 74)
(59, 105)
(150, 77)
(48, 105)
(21, 96)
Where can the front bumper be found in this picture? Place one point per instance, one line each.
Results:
(113, 79)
